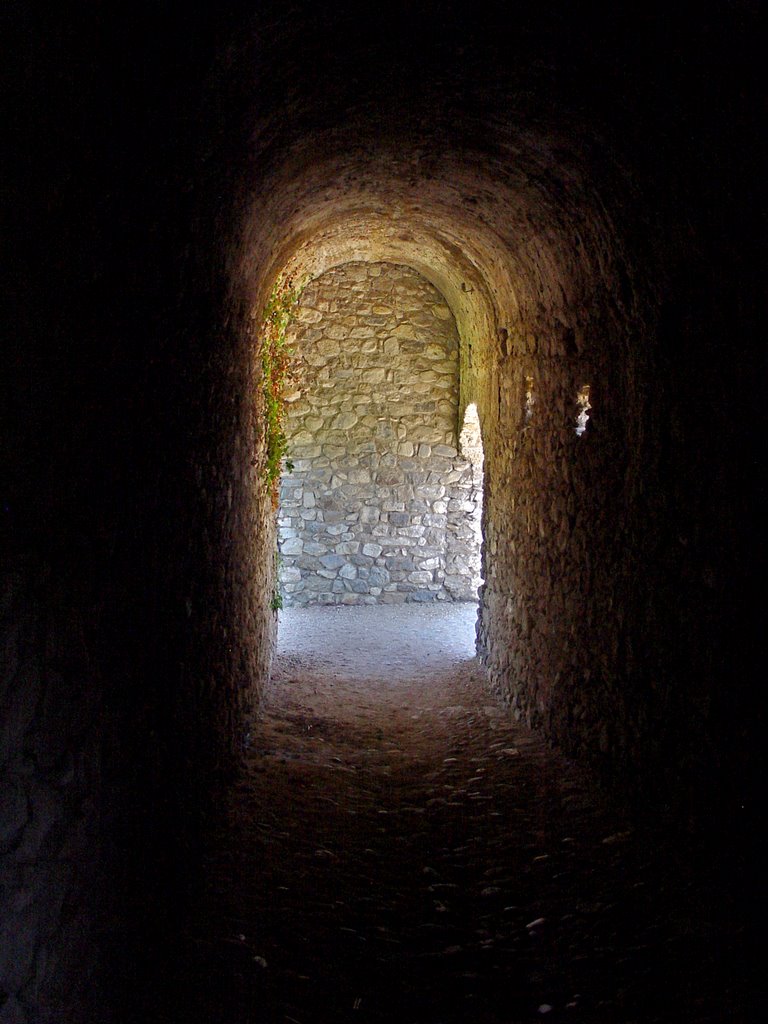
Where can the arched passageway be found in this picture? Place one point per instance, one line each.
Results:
(377, 499)
(579, 188)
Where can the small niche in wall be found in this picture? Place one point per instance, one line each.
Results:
(582, 406)
(530, 399)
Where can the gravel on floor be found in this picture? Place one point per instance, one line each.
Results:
(398, 849)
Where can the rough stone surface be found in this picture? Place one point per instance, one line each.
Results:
(380, 507)
(50, 771)
(582, 183)
(450, 867)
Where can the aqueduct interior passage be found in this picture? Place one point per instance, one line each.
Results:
(573, 198)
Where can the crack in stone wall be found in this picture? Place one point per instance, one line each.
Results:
(380, 505)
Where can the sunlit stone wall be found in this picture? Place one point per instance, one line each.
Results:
(379, 506)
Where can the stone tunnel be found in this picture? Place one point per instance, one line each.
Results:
(546, 214)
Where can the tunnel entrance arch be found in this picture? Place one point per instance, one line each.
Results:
(376, 509)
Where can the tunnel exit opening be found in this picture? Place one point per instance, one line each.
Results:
(383, 503)
(471, 528)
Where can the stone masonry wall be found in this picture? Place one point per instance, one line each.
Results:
(379, 507)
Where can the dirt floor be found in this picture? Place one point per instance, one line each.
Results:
(399, 850)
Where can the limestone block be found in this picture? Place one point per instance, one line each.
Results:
(405, 330)
(438, 470)
(442, 312)
(334, 330)
(361, 560)
(400, 562)
(345, 420)
(457, 505)
(420, 576)
(412, 531)
(306, 315)
(389, 478)
(385, 430)
(435, 519)
(374, 376)
(313, 548)
(289, 574)
(378, 576)
(332, 451)
(318, 585)
(332, 561)
(348, 548)
(303, 453)
(360, 332)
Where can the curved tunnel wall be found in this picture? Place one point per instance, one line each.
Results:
(565, 262)
(564, 267)
(539, 276)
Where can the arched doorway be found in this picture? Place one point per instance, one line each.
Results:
(381, 506)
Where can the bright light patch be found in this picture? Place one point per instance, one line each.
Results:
(530, 398)
(583, 406)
